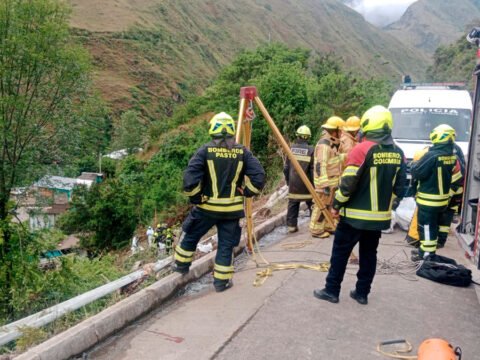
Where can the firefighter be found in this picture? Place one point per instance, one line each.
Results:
(454, 203)
(348, 139)
(439, 176)
(375, 171)
(327, 169)
(297, 191)
(213, 182)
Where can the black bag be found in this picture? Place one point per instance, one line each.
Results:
(445, 271)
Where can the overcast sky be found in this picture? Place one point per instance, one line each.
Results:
(381, 12)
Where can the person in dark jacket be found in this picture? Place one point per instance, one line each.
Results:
(214, 182)
(439, 177)
(375, 170)
(297, 191)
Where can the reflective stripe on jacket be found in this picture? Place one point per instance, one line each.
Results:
(304, 155)
(373, 174)
(326, 163)
(214, 177)
(436, 172)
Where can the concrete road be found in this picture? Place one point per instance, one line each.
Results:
(282, 320)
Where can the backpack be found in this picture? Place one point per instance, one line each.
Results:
(446, 271)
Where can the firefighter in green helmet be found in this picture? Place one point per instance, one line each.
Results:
(217, 178)
(297, 190)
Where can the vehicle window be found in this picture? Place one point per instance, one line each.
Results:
(416, 123)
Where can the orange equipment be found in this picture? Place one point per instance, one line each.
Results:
(438, 349)
(430, 349)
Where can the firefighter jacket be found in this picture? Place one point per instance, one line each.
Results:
(456, 191)
(214, 177)
(304, 154)
(327, 163)
(439, 176)
(347, 143)
(376, 170)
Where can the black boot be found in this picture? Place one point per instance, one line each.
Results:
(361, 299)
(182, 269)
(222, 286)
(323, 294)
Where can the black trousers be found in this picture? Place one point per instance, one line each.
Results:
(444, 224)
(346, 237)
(429, 220)
(294, 209)
(229, 232)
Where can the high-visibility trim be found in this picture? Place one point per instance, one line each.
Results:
(334, 160)
(454, 208)
(429, 242)
(195, 191)
(231, 208)
(221, 276)
(459, 191)
(321, 179)
(303, 158)
(333, 181)
(323, 163)
(340, 197)
(368, 215)
(440, 180)
(432, 196)
(250, 186)
(213, 176)
(235, 179)
(183, 252)
(300, 196)
(373, 189)
(444, 229)
(224, 269)
(432, 203)
(226, 201)
(457, 176)
(182, 259)
(350, 171)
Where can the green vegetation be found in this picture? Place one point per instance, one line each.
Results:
(296, 88)
(46, 111)
(454, 62)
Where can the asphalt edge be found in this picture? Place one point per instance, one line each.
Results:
(93, 330)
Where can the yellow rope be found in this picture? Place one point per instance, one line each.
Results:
(263, 275)
(400, 353)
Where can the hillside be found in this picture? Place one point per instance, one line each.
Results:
(148, 53)
(428, 24)
(454, 62)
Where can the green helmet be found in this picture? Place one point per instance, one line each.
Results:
(442, 134)
(221, 125)
(304, 132)
(376, 118)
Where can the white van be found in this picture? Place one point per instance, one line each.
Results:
(418, 108)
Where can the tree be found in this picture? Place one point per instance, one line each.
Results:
(43, 83)
(106, 215)
(129, 134)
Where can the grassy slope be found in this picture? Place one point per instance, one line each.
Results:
(430, 23)
(189, 41)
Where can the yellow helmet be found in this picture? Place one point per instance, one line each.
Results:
(333, 123)
(442, 134)
(222, 124)
(304, 132)
(419, 153)
(376, 118)
(352, 124)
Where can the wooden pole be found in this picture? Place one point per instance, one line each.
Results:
(244, 129)
(278, 135)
